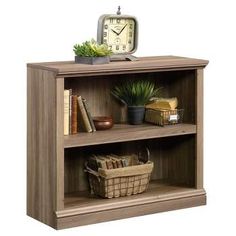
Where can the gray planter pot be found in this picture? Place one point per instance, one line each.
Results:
(92, 60)
(136, 114)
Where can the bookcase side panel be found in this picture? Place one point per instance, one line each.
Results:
(60, 143)
(199, 140)
(41, 145)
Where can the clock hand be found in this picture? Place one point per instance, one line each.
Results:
(114, 32)
(122, 29)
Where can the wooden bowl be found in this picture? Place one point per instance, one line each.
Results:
(103, 122)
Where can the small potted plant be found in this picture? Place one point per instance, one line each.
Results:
(135, 94)
(90, 52)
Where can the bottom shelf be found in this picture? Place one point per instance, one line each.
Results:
(83, 202)
(81, 208)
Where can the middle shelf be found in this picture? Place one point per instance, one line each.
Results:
(125, 132)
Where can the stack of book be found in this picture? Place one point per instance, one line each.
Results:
(112, 161)
(76, 114)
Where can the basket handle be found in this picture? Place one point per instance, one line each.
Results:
(147, 158)
(89, 170)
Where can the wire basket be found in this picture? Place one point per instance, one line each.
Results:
(119, 182)
(164, 117)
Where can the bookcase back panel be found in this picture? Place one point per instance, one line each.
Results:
(173, 157)
(97, 91)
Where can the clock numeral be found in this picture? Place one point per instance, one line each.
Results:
(131, 26)
(130, 34)
(124, 47)
(117, 47)
(105, 41)
(129, 41)
(110, 47)
(117, 21)
(111, 20)
(106, 26)
(105, 34)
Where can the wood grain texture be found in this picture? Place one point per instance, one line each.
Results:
(174, 159)
(126, 212)
(199, 140)
(75, 178)
(83, 202)
(181, 84)
(60, 143)
(41, 145)
(124, 132)
(144, 64)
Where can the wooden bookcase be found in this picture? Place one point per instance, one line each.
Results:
(57, 187)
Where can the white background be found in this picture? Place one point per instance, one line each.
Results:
(33, 31)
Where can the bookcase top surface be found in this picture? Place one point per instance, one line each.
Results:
(144, 64)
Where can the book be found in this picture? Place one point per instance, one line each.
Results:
(163, 103)
(114, 163)
(109, 163)
(89, 114)
(66, 111)
(134, 160)
(70, 111)
(101, 162)
(82, 114)
(74, 111)
(125, 162)
(117, 159)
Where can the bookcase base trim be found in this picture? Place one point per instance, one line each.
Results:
(127, 212)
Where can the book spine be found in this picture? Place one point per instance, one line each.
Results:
(118, 160)
(89, 115)
(109, 164)
(119, 164)
(66, 111)
(74, 114)
(101, 162)
(70, 113)
(84, 115)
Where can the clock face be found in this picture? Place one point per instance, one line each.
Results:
(119, 34)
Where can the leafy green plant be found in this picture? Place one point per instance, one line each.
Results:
(136, 93)
(91, 49)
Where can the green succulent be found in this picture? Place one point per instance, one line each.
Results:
(91, 49)
(136, 93)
